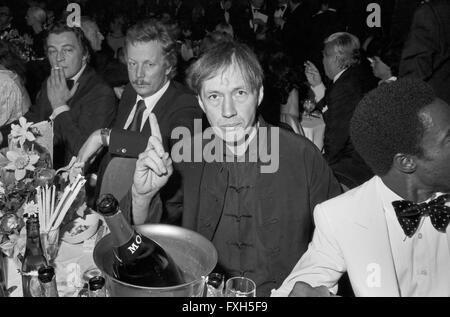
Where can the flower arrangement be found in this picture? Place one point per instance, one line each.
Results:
(17, 181)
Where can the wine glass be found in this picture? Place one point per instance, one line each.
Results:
(240, 287)
(309, 105)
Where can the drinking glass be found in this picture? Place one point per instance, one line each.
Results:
(215, 284)
(309, 105)
(240, 287)
(50, 244)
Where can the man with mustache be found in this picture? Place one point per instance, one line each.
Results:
(151, 57)
(260, 221)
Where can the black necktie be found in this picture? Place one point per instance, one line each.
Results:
(70, 83)
(136, 123)
(409, 214)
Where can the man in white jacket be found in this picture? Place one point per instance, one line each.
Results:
(390, 234)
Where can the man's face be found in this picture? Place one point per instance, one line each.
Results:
(5, 17)
(148, 69)
(282, 2)
(64, 50)
(93, 34)
(433, 167)
(230, 104)
(330, 63)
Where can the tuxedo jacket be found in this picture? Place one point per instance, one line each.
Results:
(285, 198)
(426, 54)
(92, 107)
(341, 98)
(351, 236)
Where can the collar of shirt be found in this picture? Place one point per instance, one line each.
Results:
(150, 103)
(78, 75)
(338, 75)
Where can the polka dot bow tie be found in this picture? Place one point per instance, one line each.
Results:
(409, 214)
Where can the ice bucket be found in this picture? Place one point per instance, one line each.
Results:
(194, 254)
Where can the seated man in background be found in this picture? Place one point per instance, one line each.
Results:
(390, 234)
(258, 217)
(74, 96)
(341, 64)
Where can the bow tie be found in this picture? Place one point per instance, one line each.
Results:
(409, 214)
(282, 8)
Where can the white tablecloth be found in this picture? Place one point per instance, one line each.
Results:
(70, 264)
(314, 129)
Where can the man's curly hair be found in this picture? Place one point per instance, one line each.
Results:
(387, 122)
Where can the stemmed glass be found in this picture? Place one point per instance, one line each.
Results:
(309, 106)
(240, 287)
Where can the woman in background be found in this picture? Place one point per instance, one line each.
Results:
(14, 99)
(284, 91)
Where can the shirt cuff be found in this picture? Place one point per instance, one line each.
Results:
(319, 91)
(58, 111)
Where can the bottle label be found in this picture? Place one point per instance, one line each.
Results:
(134, 245)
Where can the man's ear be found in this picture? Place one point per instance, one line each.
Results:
(404, 163)
(260, 95)
(200, 102)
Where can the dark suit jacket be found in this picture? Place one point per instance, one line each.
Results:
(178, 107)
(426, 54)
(286, 202)
(342, 97)
(92, 107)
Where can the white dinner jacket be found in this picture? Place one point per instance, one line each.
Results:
(351, 235)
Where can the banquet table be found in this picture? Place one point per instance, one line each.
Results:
(314, 128)
(71, 262)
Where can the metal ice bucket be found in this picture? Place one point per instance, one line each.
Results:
(194, 254)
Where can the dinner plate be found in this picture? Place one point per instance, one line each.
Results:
(90, 223)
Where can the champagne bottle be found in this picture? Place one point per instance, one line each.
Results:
(138, 260)
(33, 260)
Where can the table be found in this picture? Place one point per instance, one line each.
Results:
(72, 260)
(314, 128)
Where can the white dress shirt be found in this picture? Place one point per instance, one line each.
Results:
(150, 103)
(422, 262)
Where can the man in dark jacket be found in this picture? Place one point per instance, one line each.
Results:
(426, 54)
(151, 58)
(74, 96)
(341, 64)
(253, 194)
